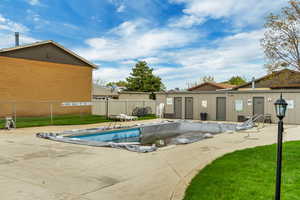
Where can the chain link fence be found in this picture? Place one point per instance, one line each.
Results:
(42, 112)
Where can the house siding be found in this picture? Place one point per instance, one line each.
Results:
(292, 116)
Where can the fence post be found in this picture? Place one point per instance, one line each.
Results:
(51, 113)
(155, 107)
(144, 112)
(106, 107)
(15, 113)
(80, 111)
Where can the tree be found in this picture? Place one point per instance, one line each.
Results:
(142, 79)
(99, 82)
(117, 83)
(282, 37)
(207, 79)
(236, 80)
(204, 79)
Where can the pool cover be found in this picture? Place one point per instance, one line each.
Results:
(144, 137)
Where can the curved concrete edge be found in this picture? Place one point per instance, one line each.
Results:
(290, 135)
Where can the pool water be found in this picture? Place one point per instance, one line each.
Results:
(126, 135)
(134, 135)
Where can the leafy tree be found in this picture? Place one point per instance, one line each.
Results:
(236, 80)
(117, 83)
(142, 79)
(99, 82)
(207, 79)
(192, 84)
(204, 79)
(282, 37)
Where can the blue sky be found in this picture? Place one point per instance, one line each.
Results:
(183, 40)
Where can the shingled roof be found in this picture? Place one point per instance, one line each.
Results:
(48, 42)
(218, 86)
(292, 81)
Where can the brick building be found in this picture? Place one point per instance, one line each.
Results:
(42, 76)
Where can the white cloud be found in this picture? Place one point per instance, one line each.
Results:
(128, 62)
(242, 12)
(153, 60)
(109, 74)
(239, 54)
(121, 8)
(134, 40)
(229, 51)
(186, 21)
(33, 2)
(7, 29)
(119, 4)
(31, 15)
(8, 25)
(8, 40)
(129, 27)
(149, 60)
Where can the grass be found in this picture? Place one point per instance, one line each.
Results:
(147, 117)
(248, 174)
(23, 122)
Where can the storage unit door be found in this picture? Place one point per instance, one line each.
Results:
(221, 108)
(258, 105)
(189, 108)
(177, 107)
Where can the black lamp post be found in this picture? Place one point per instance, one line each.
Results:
(280, 107)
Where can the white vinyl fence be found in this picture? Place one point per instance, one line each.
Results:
(115, 107)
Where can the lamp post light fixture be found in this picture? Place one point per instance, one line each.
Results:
(280, 108)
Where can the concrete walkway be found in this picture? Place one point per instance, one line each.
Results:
(38, 169)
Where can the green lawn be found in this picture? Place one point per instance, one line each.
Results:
(63, 120)
(146, 117)
(248, 175)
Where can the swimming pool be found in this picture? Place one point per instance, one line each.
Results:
(144, 137)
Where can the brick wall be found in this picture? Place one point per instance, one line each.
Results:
(28, 82)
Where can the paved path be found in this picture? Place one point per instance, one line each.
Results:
(38, 169)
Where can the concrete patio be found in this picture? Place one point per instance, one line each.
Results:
(39, 169)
